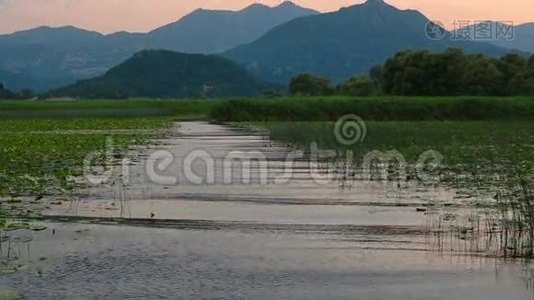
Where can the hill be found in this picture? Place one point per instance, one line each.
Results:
(167, 74)
(343, 43)
(60, 56)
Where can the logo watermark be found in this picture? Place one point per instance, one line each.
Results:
(435, 30)
(246, 167)
(350, 129)
(471, 30)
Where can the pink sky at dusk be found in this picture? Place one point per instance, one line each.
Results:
(109, 16)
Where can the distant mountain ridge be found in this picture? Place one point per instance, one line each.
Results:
(58, 56)
(167, 74)
(506, 35)
(524, 38)
(342, 44)
(337, 45)
(213, 31)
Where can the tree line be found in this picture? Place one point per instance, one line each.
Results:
(425, 73)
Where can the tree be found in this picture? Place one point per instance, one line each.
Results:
(376, 74)
(452, 64)
(481, 77)
(529, 75)
(309, 85)
(513, 68)
(359, 86)
(393, 77)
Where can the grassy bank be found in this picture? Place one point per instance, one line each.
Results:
(103, 108)
(282, 109)
(378, 109)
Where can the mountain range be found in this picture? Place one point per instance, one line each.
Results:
(211, 31)
(344, 43)
(272, 43)
(506, 35)
(167, 74)
(57, 56)
(524, 38)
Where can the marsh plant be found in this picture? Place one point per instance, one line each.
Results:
(498, 219)
(486, 165)
(515, 207)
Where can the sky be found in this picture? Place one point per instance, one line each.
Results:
(108, 16)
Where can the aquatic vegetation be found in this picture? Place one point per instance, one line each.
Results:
(489, 164)
(39, 157)
(470, 144)
(39, 163)
(6, 294)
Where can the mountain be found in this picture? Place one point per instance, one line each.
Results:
(520, 37)
(49, 36)
(167, 74)
(59, 56)
(213, 31)
(15, 82)
(523, 38)
(343, 43)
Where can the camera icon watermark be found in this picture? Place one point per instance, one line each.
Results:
(435, 30)
(471, 30)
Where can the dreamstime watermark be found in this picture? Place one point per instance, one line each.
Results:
(240, 167)
(350, 129)
(471, 30)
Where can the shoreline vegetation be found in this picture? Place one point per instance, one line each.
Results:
(283, 108)
(384, 108)
(479, 137)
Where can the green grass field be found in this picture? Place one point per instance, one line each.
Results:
(282, 109)
(102, 108)
(375, 109)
